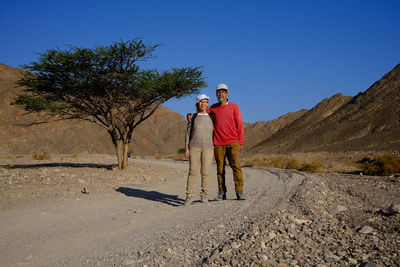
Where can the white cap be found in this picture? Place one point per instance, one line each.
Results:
(222, 86)
(201, 97)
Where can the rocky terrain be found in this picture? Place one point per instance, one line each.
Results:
(77, 211)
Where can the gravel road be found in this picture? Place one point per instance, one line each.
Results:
(137, 218)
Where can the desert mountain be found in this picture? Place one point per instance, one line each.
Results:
(162, 133)
(367, 121)
(257, 132)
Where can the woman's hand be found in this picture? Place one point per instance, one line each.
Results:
(187, 153)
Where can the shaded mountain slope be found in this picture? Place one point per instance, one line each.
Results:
(367, 121)
(257, 132)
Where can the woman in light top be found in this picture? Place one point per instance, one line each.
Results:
(199, 148)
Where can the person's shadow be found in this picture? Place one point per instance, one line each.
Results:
(172, 200)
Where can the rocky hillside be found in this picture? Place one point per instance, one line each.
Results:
(367, 121)
(257, 132)
(163, 133)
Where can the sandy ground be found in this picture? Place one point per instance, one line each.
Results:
(78, 211)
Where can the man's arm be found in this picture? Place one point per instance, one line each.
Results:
(239, 126)
(189, 117)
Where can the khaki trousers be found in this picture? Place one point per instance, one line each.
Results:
(199, 161)
(232, 152)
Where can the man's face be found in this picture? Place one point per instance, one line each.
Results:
(222, 95)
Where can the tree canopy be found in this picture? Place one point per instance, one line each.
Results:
(104, 85)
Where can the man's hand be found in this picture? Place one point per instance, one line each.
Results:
(189, 117)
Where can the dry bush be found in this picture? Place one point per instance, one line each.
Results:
(293, 164)
(157, 156)
(282, 163)
(256, 162)
(74, 155)
(380, 165)
(277, 162)
(181, 151)
(42, 156)
(313, 166)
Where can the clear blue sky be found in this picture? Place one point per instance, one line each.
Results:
(275, 56)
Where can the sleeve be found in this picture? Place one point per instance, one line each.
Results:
(239, 125)
(187, 135)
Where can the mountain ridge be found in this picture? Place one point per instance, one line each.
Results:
(368, 121)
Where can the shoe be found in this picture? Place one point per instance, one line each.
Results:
(221, 196)
(240, 195)
(188, 201)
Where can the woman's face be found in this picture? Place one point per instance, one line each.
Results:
(203, 104)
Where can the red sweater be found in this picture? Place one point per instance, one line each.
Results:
(228, 124)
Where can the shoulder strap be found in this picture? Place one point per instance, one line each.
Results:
(211, 117)
(192, 125)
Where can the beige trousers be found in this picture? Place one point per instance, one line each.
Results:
(199, 162)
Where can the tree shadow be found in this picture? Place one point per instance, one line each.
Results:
(58, 164)
(172, 200)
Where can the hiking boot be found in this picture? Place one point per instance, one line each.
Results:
(240, 195)
(188, 201)
(204, 199)
(221, 196)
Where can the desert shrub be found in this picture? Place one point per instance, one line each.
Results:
(74, 155)
(313, 166)
(277, 162)
(19, 157)
(157, 156)
(255, 162)
(41, 156)
(280, 162)
(381, 165)
(181, 150)
(293, 164)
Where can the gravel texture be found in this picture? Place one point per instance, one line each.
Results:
(137, 217)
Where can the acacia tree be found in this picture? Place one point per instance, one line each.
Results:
(104, 85)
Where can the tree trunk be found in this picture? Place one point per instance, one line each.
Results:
(122, 154)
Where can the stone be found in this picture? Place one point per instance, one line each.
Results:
(331, 256)
(234, 262)
(394, 208)
(368, 264)
(301, 221)
(340, 208)
(236, 245)
(350, 260)
(263, 246)
(366, 230)
(262, 257)
(271, 235)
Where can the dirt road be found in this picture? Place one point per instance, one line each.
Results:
(73, 230)
(137, 217)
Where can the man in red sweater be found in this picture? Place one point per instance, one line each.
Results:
(228, 141)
